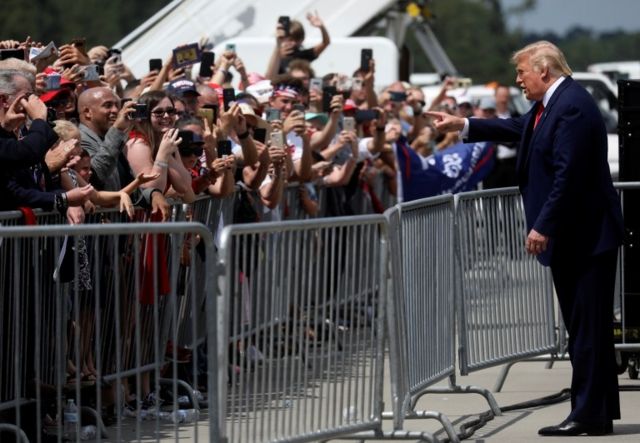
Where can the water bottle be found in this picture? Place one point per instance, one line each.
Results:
(70, 415)
(88, 432)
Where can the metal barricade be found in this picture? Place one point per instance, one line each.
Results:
(304, 312)
(421, 320)
(506, 308)
(90, 310)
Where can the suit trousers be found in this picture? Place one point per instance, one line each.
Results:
(585, 288)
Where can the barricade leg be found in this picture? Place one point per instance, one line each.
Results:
(20, 435)
(467, 389)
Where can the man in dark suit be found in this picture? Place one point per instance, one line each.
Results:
(574, 220)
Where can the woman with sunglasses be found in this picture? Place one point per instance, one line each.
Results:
(209, 173)
(153, 145)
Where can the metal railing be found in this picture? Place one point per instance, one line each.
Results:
(285, 323)
(304, 311)
(99, 298)
(506, 307)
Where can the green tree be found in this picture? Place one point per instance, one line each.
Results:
(100, 22)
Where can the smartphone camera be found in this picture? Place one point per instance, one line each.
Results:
(273, 114)
(52, 82)
(224, 148)
(141, 112)
(285, 22)
(228, 95)
(155, 64)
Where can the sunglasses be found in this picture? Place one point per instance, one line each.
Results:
(160, 112)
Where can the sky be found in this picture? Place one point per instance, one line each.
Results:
(560, 16)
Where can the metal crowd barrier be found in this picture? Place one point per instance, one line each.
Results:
(101, 298)
(421, 306)
(505, 301)
(304, 315)
(626, 329)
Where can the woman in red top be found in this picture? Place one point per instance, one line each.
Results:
(152, 148)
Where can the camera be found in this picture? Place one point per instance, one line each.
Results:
(285, 22)
(365, 57)
(349, 124)
(224, 148)
(155, 64)
(327, 95)
(52, 82)
(273, 114)
(228, 95)
(141, 112)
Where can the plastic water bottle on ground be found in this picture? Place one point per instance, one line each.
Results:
(71, 418)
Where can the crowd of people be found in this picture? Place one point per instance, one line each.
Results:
(79, 132)
(69, 136)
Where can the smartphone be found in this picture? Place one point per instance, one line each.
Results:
(207, 114)
(210, 112)
(349, 124)
(155, 64)
(91, 73)
(365, 115)
(398, 96)
(315, 83)
(231, 47)
(206, 61)
(76, 43)
(186, 136)
(186, 55)
(123, 101)
(463, 83)
(285, 21)
(366, 55)
(224, 148)
(52, 82)
(277, 139)
(273, 114)
(260, 134)
(299, 107)
(11, 53)
(113, 51)
(327, 95)
(228, 95)
(79, 42)
(141, 112)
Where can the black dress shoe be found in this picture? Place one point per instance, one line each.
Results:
(572, 428)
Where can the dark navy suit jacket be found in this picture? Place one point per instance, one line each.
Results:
(563, 172)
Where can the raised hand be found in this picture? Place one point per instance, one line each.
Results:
(315, 20)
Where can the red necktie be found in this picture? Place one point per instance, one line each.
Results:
(538, 114)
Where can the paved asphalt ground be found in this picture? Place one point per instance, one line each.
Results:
(526, 381)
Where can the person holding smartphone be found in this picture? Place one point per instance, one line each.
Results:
(289, 44)
(286, 94)
(210, 174)
(153, 145)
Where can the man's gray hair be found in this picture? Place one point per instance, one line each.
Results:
(7, 80)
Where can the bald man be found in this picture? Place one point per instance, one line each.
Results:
(104, 128)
